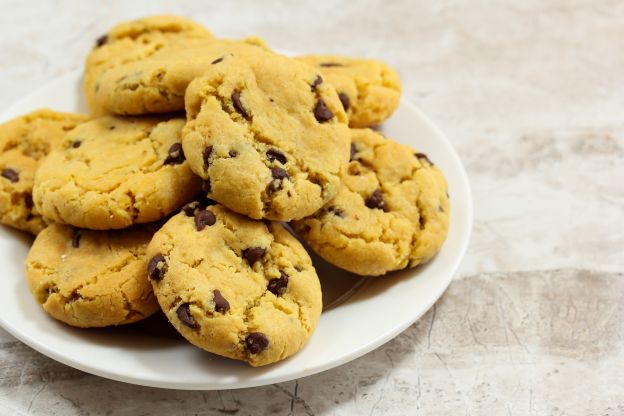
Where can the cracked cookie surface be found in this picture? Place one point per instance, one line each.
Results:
(369, 89)
(149, 73)
(24, 142)
(134, 41)
(391, 213)
(91, 278)
(113, 172)
(233, 286)
(267, 134)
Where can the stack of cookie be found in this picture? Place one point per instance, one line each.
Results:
(171, 195)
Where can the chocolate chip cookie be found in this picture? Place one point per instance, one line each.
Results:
(24, 142)
(267, 134)
(134, 41)
(91, 278)
(369, 89)
(113, 172)
(391, 213)
(235, 287)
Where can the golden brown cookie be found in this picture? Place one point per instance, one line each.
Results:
(24, 142)
(392, 211)
(236, 287)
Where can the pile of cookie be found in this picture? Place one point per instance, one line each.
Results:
(173, 193)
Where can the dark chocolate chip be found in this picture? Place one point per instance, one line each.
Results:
(330, 64)
(317, 81)
(440, 208)
(216, 61)
(221, 304)
(423, 156)
(10, 174)
(175, 155)
(206, 156)
(256, 342)
(344, 99)
(353, 152)
(233, 153)
(157, 267)
(279, 175)
(74, 296)
(76, 144)
(204, 218)
(184, 315)
(191, 208)
(28, 201)
(336, 211)
(238, 106)
(274, 154)
(321, 112)
(101, 41)
(112, 127)
(278, 286)
(206, 187)
(253, 254)
(76, 239)
(376, 200)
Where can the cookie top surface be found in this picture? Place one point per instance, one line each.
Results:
(369, 89)
(391, 213)
(91, 278)
(133, 41)
(135, 78)
(236, 287)
(270, 128)
(24, 142)
(113, 172)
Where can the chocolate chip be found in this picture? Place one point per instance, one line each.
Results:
(204, 218)
(330, 64)
(221, 304)
(440, 208)
(353, 152)
(256, 342)
(233, 153)
(101, 41)
(206, 156)
(28, 201)
(176, 155)
(253, 254)
(76, 239)
(321, 112)
(274, 154)
(191, 208)
(184, 315)
(157, 267)
(317, 81)
(74, 296)
(344, 99)
(10, 174)
(216, 61)
(238, 106)
(279, 175)
(76, 144)
(336, 211)
(376, 200)
(278, 286)
(423, 156)
(206, 187)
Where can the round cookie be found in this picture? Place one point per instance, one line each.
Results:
(113, 172)
(391, 213)
(235, 287)
(269, 127)
(91, 278)
(369, 89)
(24, 142)
(133, 41)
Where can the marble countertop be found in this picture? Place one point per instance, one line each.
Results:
(531, 94)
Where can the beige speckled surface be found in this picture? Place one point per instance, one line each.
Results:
(531, 95)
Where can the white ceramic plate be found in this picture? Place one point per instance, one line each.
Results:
(360, 315)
